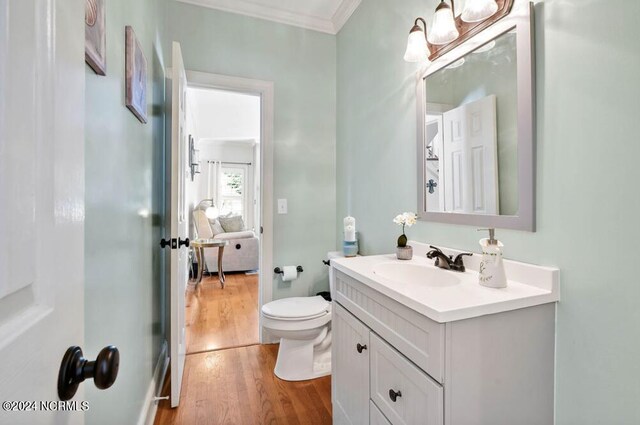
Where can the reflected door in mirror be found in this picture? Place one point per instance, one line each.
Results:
(470, 158)
(471, 132)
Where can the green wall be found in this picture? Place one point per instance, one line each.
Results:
(124, 278)
(588, 94)
(302, 65)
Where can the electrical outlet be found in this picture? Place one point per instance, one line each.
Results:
(282, 206)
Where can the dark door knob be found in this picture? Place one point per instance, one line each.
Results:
(393, 395)
(360, 347)
(165, 243)
(184, 242)
(74, 369)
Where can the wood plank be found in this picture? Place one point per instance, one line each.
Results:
(237, 386)
(222, 318)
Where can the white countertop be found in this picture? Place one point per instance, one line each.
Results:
(528, 285)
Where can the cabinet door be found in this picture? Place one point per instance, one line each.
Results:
(350, 368)
(377, 418)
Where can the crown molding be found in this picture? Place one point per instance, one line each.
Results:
(326, 25)
(343, 13)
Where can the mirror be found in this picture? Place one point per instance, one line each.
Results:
(475, 135)
(471, 132)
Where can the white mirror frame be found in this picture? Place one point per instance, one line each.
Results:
(522, 20)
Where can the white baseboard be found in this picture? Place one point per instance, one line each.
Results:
(150, 406)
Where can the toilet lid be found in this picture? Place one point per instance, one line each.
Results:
(296, 307)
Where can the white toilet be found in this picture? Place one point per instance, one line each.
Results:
(303, 325)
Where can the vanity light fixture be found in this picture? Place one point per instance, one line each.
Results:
(448, 30)
(417, 49)
(443, 25)
(478, 10)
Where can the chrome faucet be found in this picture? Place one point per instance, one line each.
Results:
(445, 261)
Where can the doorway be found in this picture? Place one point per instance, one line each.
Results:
(230, 123)
(224, 200)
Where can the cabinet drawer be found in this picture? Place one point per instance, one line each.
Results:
(418, 398)
(377, 418)
(416, 336)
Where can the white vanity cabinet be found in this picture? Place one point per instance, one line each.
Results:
(393, 365)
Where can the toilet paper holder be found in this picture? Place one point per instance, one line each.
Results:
(278, 270)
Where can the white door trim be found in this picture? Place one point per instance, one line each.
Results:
(265, 89)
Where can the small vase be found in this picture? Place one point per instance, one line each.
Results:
(404, 252)
(350, 248)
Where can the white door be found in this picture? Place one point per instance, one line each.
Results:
(471, 158)
(350, 368)
(179, 223)
(41, 202)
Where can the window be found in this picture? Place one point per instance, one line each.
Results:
(232, 191)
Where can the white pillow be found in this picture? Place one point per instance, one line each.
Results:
(232, 224)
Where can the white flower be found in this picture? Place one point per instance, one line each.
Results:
(410, 218)
(406, 219)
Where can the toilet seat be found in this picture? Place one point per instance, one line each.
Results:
(296, 308)
(295, 325)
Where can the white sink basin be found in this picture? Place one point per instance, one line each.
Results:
(417, 274)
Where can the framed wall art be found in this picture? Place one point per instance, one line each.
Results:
(136, 76)
(95, 36)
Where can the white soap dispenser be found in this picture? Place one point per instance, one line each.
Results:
(491, 271)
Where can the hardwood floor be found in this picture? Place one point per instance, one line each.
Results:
(222, 318)
(237, 386)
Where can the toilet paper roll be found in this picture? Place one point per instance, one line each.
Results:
(290, 273)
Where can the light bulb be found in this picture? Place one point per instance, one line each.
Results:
(478, 10)
(443, 26)
(211, 213)
(417, 49)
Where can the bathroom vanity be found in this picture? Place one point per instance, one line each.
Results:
(415, 344)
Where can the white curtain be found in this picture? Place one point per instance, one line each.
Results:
(214, 170)
(207, 179)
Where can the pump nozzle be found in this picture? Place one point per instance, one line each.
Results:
(492, 235)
